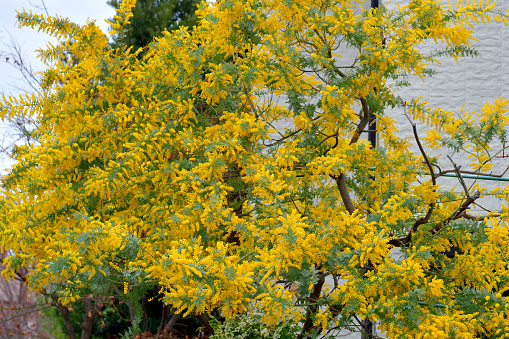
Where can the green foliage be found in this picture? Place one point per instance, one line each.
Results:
(247, 326)
(152, 17)
(52, 322)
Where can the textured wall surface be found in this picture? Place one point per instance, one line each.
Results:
(469, 82)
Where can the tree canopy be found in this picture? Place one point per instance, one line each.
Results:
(227, 170)
(152, 17)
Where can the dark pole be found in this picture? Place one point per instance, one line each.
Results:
(367, 325)
(372, 118)
(372, 129)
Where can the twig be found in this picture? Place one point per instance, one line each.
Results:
(472, 173)
(472, 217)
(460, 178)
(45, 9)
(503, 256)
(253, 108)
(282, 138)
(24, 313)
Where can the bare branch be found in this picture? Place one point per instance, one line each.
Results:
(461, 209)
(465, 215)
(460, 178)
(333, 146)
(472, 173)
(503, 256)
(340, 180)
(364, 113)
(15, 57)
(455, 215)
(426, 218)
(39, 7)
(283, 138)
(45, 9)
(253, 107)
(32, 310)
(343, 190)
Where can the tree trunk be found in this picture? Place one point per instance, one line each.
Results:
(144, 309)
(204, 320)
(171, 323)
(91, 312)
(164, 318)
(67, 319)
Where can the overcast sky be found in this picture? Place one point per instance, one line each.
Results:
(76, 10)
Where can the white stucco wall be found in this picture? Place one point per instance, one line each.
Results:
(469, 82)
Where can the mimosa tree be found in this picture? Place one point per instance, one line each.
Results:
(172, 172)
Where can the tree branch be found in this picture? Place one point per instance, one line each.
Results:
(33, 309)
(340, 180)
(461, 209)
(465, 215)
(364, 113)
(253, 107)
(460, 178)
(173, 320)
(312, 309)
(408, 238)
(343, 190)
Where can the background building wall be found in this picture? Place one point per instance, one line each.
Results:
(470, 81)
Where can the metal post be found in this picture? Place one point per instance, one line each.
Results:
(367, 325)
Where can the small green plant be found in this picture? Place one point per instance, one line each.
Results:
(247, 326)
